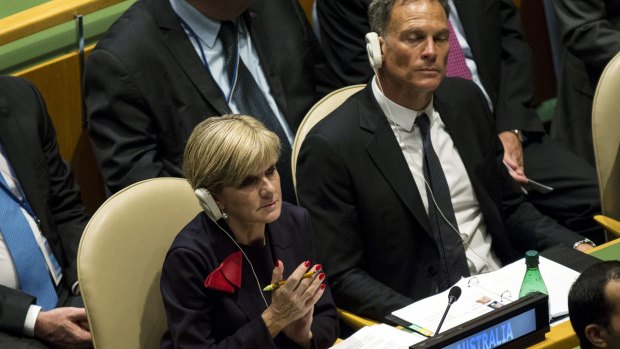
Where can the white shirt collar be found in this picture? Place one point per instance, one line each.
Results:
(402, 116)
(206, 28)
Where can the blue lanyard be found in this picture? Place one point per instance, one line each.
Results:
(20, 201)
(203, 57)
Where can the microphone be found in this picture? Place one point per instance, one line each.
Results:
(453, 296)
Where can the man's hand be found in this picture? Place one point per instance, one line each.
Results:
(584, 247)
(513, 156)
(64, 328)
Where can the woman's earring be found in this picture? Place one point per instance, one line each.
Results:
(224, 215)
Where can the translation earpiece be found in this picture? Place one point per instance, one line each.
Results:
(213, 211)
(208, 204)
(374, 50)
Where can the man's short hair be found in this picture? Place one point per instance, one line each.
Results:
(379, 13)
(587, 303)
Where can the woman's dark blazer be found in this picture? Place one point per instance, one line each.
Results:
(206, 318)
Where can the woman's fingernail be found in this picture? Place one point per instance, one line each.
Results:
(307, 263)
(322, 286)
(277, 263)
(321, 276)
(318, 267)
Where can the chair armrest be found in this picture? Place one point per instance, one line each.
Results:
(354, 321)
(610, 224)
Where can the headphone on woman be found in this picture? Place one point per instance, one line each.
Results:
(208, 204)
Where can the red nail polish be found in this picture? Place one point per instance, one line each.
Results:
(277, 263)
(322, 286)
(318, 267)
(307, 263)
(321, 276)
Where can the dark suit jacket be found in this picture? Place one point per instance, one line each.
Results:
(201, 318)
(492, 29)
(146, 88)
(29, 140)
(591, 37)
(373, 232)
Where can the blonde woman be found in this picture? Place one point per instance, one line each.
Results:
(215, 272)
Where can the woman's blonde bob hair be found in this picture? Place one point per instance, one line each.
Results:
(224, 150)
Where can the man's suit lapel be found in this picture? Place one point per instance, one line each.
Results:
(476, 35)
(386, 154)
(181, 48)
(469, 14)
(466, 142)
(16, 148)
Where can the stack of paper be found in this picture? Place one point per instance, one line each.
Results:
(380, 336)
(485, 292)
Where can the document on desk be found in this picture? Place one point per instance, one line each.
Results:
(485, 292)
(380, 336)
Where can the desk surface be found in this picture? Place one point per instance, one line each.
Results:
(562, 336)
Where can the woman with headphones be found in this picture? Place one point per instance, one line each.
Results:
(241, 274)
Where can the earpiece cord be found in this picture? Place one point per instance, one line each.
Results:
(260, 290)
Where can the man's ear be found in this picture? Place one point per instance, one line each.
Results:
(381, 43)
(597, 335)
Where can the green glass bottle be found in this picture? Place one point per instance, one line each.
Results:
(532, 281)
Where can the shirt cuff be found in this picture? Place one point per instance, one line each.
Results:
(31, 319)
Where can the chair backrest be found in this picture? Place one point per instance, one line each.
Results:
(120, 258)
(318, 111)
(606, 137)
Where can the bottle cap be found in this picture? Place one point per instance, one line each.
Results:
(531, 258)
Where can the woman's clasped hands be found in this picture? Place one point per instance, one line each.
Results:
(292, 304)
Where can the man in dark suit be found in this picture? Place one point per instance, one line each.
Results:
(499, 62)
(591, 38)
(405, 182)
(33, 172)
(161, 69)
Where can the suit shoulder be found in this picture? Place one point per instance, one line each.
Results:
(133, 29)
(15, 86)
(458, 88)
(21, 99)
(461, 92)
(192, 235)
(345, 116)
(293, 210)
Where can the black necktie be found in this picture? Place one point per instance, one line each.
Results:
(441, 213)
(251, 101)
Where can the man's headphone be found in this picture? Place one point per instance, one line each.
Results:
(207, 202)
(374, 51)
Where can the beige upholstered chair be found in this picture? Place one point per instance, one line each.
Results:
(318, 111)
(120, 259)
(606, 137)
